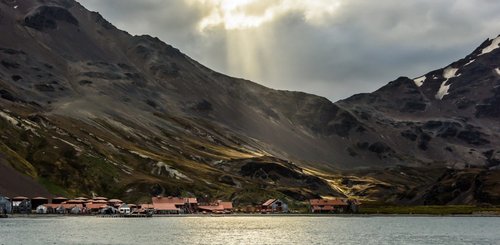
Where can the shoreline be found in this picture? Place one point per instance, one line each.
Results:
(39, 216)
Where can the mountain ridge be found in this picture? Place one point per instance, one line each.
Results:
(92, 109)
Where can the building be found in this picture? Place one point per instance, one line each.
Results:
(124, 209)
(42, 209)
(166, 208)
(115, 202)
(97, 201)
(52, 208)
(337, 205)
(38, 201)
(174, 205)
(21, 205)
(109, 210)
(5, 206)
(218, 207)
(74, 201)
(145, 208)
(77, 209)
(274, 206)
(57, 208)
(72, 208)
(59, 200)
(250, 209)
(94, 208)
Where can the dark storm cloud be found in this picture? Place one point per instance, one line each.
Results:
(358, 48)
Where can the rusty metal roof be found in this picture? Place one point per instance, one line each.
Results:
(269, 202)
(165, 207)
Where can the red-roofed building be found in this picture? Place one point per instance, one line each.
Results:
(64, 208)
(217, 207)
(52, 207)
(274, 206)
(115, 202)
(74, 201)
(69, 206)
(147, 206)
(98, 201)
(337, 205)
(95, 207)
(166, 208)
(168, 205)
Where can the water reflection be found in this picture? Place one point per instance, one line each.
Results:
(252, 230)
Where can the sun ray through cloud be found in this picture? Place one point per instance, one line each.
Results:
(244, 14)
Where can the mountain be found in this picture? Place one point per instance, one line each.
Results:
(87, 109)
(448, 116)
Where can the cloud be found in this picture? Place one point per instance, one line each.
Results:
(333, 48)
(243, 14)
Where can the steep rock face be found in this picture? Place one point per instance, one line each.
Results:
(46, 17)
(92, 109)
(445, 117)
(83, 67)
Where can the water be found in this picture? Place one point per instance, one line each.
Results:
(252, 230)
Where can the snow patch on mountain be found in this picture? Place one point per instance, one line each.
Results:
(30, 124)
(78, 149)
(497, 70)
(173, 173)
(140, 155)
(419, 81)
(470, 62)
(494, 45)
(443, 90)
(9, 119)
(448, 74)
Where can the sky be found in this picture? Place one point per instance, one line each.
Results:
(332, 48)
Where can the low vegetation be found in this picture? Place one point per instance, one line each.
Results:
(374, 208)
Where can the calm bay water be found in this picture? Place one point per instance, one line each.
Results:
(251, 230)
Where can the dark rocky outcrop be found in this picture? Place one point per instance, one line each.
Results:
(43, 87)
(413, 106)
(102, 75)
(423, 143)
(10, 64)
(490, 108)
(473, 137)
(409, 135)
(4, 94)
(493, 158)
(226, 179)
(263, 169)
(16, 78)
(203, 106)
(85, 82)
(379, 148)
(46, 17)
